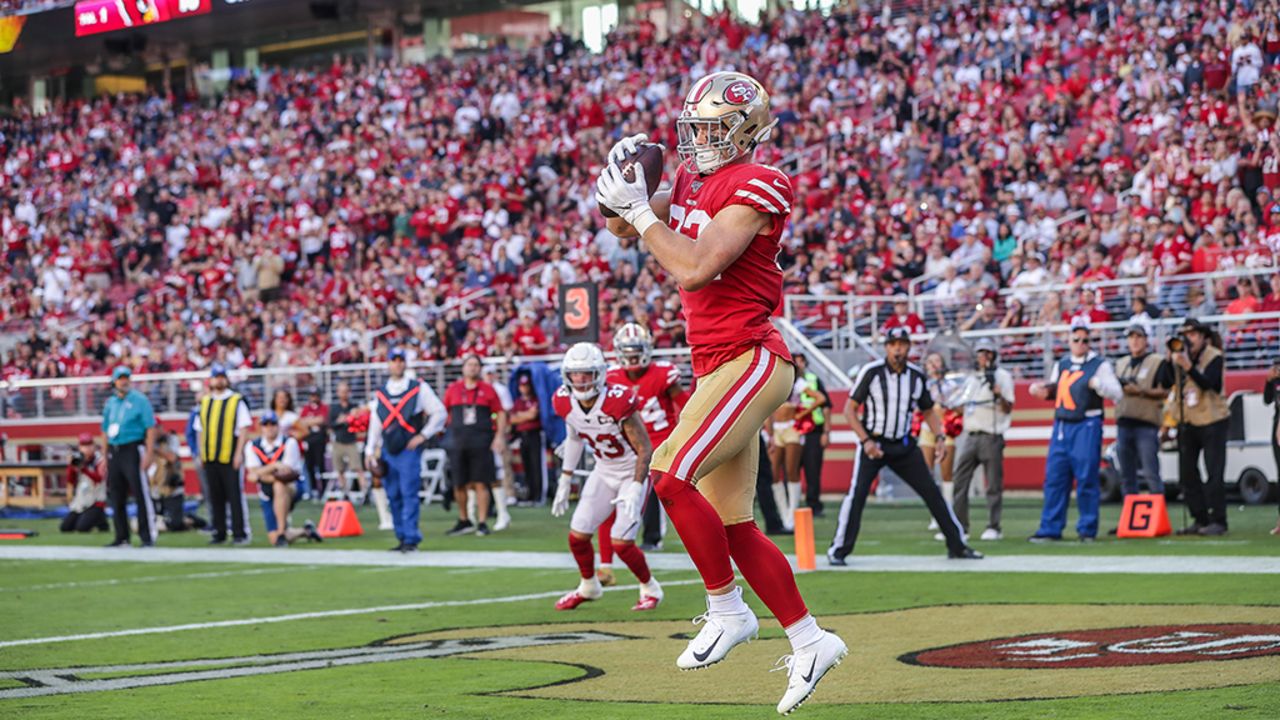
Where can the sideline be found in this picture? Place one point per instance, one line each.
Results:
(164, 629)
(1077, 563)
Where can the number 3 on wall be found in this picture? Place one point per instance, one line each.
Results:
(577, 309)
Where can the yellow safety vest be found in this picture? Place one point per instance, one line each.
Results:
(218, 422)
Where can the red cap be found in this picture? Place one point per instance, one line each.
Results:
(86, 439)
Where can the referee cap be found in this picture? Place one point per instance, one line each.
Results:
(897, 334)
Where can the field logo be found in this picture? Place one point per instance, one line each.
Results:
(1109, 647)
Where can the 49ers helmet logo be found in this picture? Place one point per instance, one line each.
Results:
(740, 93)
(1109, 647)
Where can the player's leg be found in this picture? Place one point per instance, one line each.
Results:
(594, 505)
(623, 540)
(604, 533)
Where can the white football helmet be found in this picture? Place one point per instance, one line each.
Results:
(725, 116)
(634, 346)
(584, 358)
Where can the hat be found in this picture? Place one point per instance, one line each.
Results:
(396, 354)
(217, 370)
(1194, 324)
(1079, 322)
(897, 333)
(900, 298)
(85, 439)
(985, 344)
(524, 380)
(270, 418)
(1138, 327)
(121, 371)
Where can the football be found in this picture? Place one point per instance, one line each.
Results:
(649, 157)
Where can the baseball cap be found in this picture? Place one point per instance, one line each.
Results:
(217, 370)
(985, 345)
(396, 354)
(119, 372)
(897, 334)
(85, 439)
(1079, 322)
(524, 380)
(270, 418)
(1139, 328)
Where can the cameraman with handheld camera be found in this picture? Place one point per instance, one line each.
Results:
(1202, 415)
(988, 405)
(87, 479)
(1145, 378)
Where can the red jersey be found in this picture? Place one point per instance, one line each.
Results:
(731, 314)
(657, 409)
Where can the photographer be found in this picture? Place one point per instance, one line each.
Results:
(1145, 378)
(167, 487)
(988, 403)
(87, 474)
(1203, 417)
(1271, 396)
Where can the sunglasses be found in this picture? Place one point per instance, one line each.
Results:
(265, 424)
(1082, 341)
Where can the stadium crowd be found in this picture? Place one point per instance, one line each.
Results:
(285, 221)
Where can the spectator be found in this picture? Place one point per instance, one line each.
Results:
(313, 426)
(87, 476)
(346, 452)
(903, 317)
(1199, 306)
(528, 432)
(477, 428)
(282, 406)
(985, 317)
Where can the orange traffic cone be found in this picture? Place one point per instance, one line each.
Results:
(338, 519)
(1144, 516)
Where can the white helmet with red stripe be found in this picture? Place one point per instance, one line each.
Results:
(634, 346)
(584, 358)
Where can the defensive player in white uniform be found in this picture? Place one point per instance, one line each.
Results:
(606, 418)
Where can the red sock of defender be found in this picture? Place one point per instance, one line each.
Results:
(699, 527)
(604, 533)
(634, 558)
(584, 554)
(767, 572)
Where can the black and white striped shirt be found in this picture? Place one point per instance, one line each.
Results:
(890, 399)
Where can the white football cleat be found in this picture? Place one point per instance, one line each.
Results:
(806, 667)
(588, 589)
(650, 595)
(720, 633)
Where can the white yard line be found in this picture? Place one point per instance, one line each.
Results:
(151, 578)
(1081, 562)
(163, 629)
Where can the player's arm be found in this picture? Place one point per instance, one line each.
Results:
(679, 396)
(634, 430)
(696, 264)
(661, 204)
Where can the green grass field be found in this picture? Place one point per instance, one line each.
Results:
(632, 676)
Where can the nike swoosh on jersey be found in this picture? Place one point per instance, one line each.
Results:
(700, 657)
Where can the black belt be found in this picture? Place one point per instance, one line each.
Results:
(981, 432)
(118, 446)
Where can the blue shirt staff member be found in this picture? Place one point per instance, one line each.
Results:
(1077, 387)
(130, 427)
(406, 413)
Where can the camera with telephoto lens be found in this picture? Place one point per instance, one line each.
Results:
(1178, 343)
(77, 458)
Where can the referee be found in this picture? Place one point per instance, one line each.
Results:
(885, 395)
(130, 427)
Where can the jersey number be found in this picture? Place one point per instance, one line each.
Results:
(606, 446)
(653, 415)
(690, 223)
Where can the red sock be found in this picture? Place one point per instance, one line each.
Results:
(584, 554)
(634, 558)
(699, 527)
(767, 572)
(605, 533)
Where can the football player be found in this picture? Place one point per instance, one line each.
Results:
(717, 231)
(606, 418)
(662, 395)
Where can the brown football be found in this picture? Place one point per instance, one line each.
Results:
(649, 157)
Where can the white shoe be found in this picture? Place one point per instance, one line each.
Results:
(933, 525)
(806, 667)
(939, 536)
(386, 525)
(504, 521)
(992, 534)
(720, 633)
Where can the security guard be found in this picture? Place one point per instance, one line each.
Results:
(221, 434)
(812, 423)
(406, 413)
(884, 399)
(130, 427)
(1077, 387)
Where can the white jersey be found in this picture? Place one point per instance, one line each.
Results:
(600, 427)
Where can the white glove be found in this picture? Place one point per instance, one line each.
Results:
(629, 502)
(626, 146)
(561, 503)
(629, 199)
